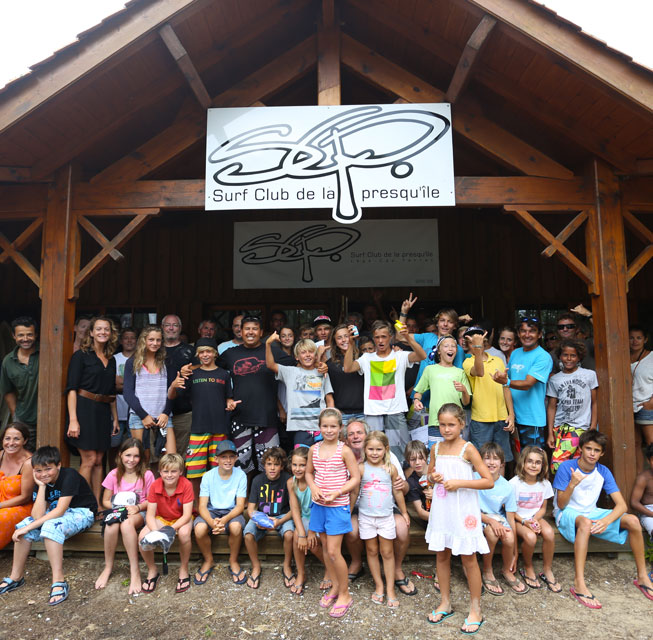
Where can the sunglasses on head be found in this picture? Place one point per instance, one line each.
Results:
(250, 319)
(562, 327)
(529, 320)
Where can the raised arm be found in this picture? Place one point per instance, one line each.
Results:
(349, 365)
(269, 356)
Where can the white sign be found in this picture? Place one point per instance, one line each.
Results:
(314, 254)
(341, 157)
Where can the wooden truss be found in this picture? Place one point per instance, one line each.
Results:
(12, 250)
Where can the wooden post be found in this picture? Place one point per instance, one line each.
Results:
(606, 255)
(60, 260)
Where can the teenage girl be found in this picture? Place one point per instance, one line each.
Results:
(287, 340)
(332, 473)
(532, 490)
(507, 342)
(455, 517)
(305, 540)
(376, 522)
(131, 474)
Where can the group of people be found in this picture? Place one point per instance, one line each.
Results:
(330, 434)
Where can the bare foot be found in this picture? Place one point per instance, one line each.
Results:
(135, 585)
(103, 578)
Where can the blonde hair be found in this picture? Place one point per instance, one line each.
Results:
(521, 461)
(141, 346)
(112, 343)
(330, 412)
(171, 461)
(383, 439)
(305, 344)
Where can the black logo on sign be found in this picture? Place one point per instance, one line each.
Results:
(333, 147)
(316, 241)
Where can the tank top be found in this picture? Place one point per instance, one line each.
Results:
(152, 390)
(304, 498)
(331, 474)
(376, 492)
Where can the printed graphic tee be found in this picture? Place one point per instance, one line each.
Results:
(305, 391)
(384, 382)
(574, 394)
(530, 497)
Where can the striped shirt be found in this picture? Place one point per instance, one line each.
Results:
(152, 390)
(331, 474)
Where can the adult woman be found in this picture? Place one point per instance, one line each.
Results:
(641, 367)
(146, 385)
(348, 388)
(91, 388)
(16, 480)
(508, 341)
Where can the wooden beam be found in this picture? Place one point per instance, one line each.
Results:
(22, 199)
(606, 254)
(24, 238)
(463, 71)
(566, 233)
(98, 236)
(20, 260)
(184, 133)
(644, 166)
(15, 174)
(328, 56)
(185, 64)
(640, 229)
(639, 262)
(468, 119)
(637, 193)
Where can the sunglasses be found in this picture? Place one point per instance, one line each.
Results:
(531, 320)
(562, 327)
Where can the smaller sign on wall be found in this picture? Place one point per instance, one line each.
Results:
(314, 254)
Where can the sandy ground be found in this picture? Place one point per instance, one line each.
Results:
(223, 610)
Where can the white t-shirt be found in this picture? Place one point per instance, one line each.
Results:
(384, 392)
(574, 394)
(305, 391)
(642, 381)
(121, 404)
(530, 497)
(493, 351)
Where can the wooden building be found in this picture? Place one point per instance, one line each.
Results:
(102, 164)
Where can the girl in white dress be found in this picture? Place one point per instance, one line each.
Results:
(455, 518)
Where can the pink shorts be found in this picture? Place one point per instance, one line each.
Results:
(371, 526)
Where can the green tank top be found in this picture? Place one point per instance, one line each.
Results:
(305, 500)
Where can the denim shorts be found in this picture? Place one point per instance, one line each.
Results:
(72, 522)
(482, 432)
(135, 424)
(259, 533)
(644, 416)
(333, 521)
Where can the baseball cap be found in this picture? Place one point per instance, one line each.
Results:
(206, 342)
(225, 446)
(321, 320)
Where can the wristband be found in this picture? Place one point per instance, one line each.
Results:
(302, 536)
(508, 381)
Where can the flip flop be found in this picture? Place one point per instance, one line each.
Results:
(204, 576)
(326, 600)
(471, 633)
(255, 584)
(62, 590)
(404, 583)
(338, 611)
(393, 603)
(378, 598)
(589, 605)
(287, 579)
(299, 588)
(11, 585)
(532, 583)
(354, 576)
(326, 584)
(647, 591)
(150, 583)
(514, 584)
(444, 614)
(183, 585)
(549, 584)
(240, 580)
(487, 583)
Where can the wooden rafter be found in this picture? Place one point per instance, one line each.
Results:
(15, 174)
(13, 250)
(644, 234)
(468, 119)
(328, 56)
(566, 233)
(472, 49)
(188, 130)
(185, 64)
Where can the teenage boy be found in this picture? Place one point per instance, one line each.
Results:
(384, 402)
(269, 495)
(223, 493)
(128, 339)
(64, 505)
(322, 327)
(641, 499)
(577, 485)
(19, 376)
(530, 366)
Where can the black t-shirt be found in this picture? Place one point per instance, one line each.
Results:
(209, 391)
(410, 378)
(348, 388)
(270, 496)
(254, 384)
(415, 491)
(69, 483)
(176, 357)
(87, 372)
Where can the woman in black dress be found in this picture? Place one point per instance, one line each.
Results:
(91, 389)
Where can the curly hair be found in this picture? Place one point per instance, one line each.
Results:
(112, 343)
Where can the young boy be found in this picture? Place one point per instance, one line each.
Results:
(571, 402)
(577, 486)
(419, 492)
(498, 508)
(211, 395)
(169, 503)
(269, 494)
(64, 505)
(223, 493)
(306, 389)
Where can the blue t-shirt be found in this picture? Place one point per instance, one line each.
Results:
(222, 493)
(428, 341)
(499, 499)
(529, 405)
(586, 494)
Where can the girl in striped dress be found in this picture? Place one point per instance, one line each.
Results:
(332, 473)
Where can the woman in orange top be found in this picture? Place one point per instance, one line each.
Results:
(16, 480)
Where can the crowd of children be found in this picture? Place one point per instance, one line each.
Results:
(452, 431)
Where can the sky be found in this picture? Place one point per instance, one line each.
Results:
(31, 30)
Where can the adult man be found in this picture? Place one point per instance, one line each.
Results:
(178, 354)
(238, 336)
(529, 370)
(355, 432)
(254, 423)
(19, 377)
(277, 320)
(207, 328)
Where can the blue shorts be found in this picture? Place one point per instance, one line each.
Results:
(219, 513)
(566, 522)
(482, 432)
(334, 521)
(644, 416)
(529, 435)
(72, 522)
(116, 440)
(259, 533)
(135, 424)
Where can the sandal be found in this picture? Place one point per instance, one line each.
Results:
(532, 583)
(326, 584)
(11, 585)
(404, 583)
(514, 585)
(255, 584)
(444, 615)
(149, 585)
(326, 600)
(183, 584)
(550, 585)
(354, 576)
(468, 623)
(59, 590)
(378, 598)
(288, 581)
(339, 610)
(393, 603)
(589, 605)
(297, 588)
(647, 591)
(235, 577)
(203, 576)
(487, 583)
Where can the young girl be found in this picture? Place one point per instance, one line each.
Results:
(455, 517)
(508, 342)
(131, 474)
(532, 490)
(447, 384)
(332, 473)
(300, 506)
(376, 522)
